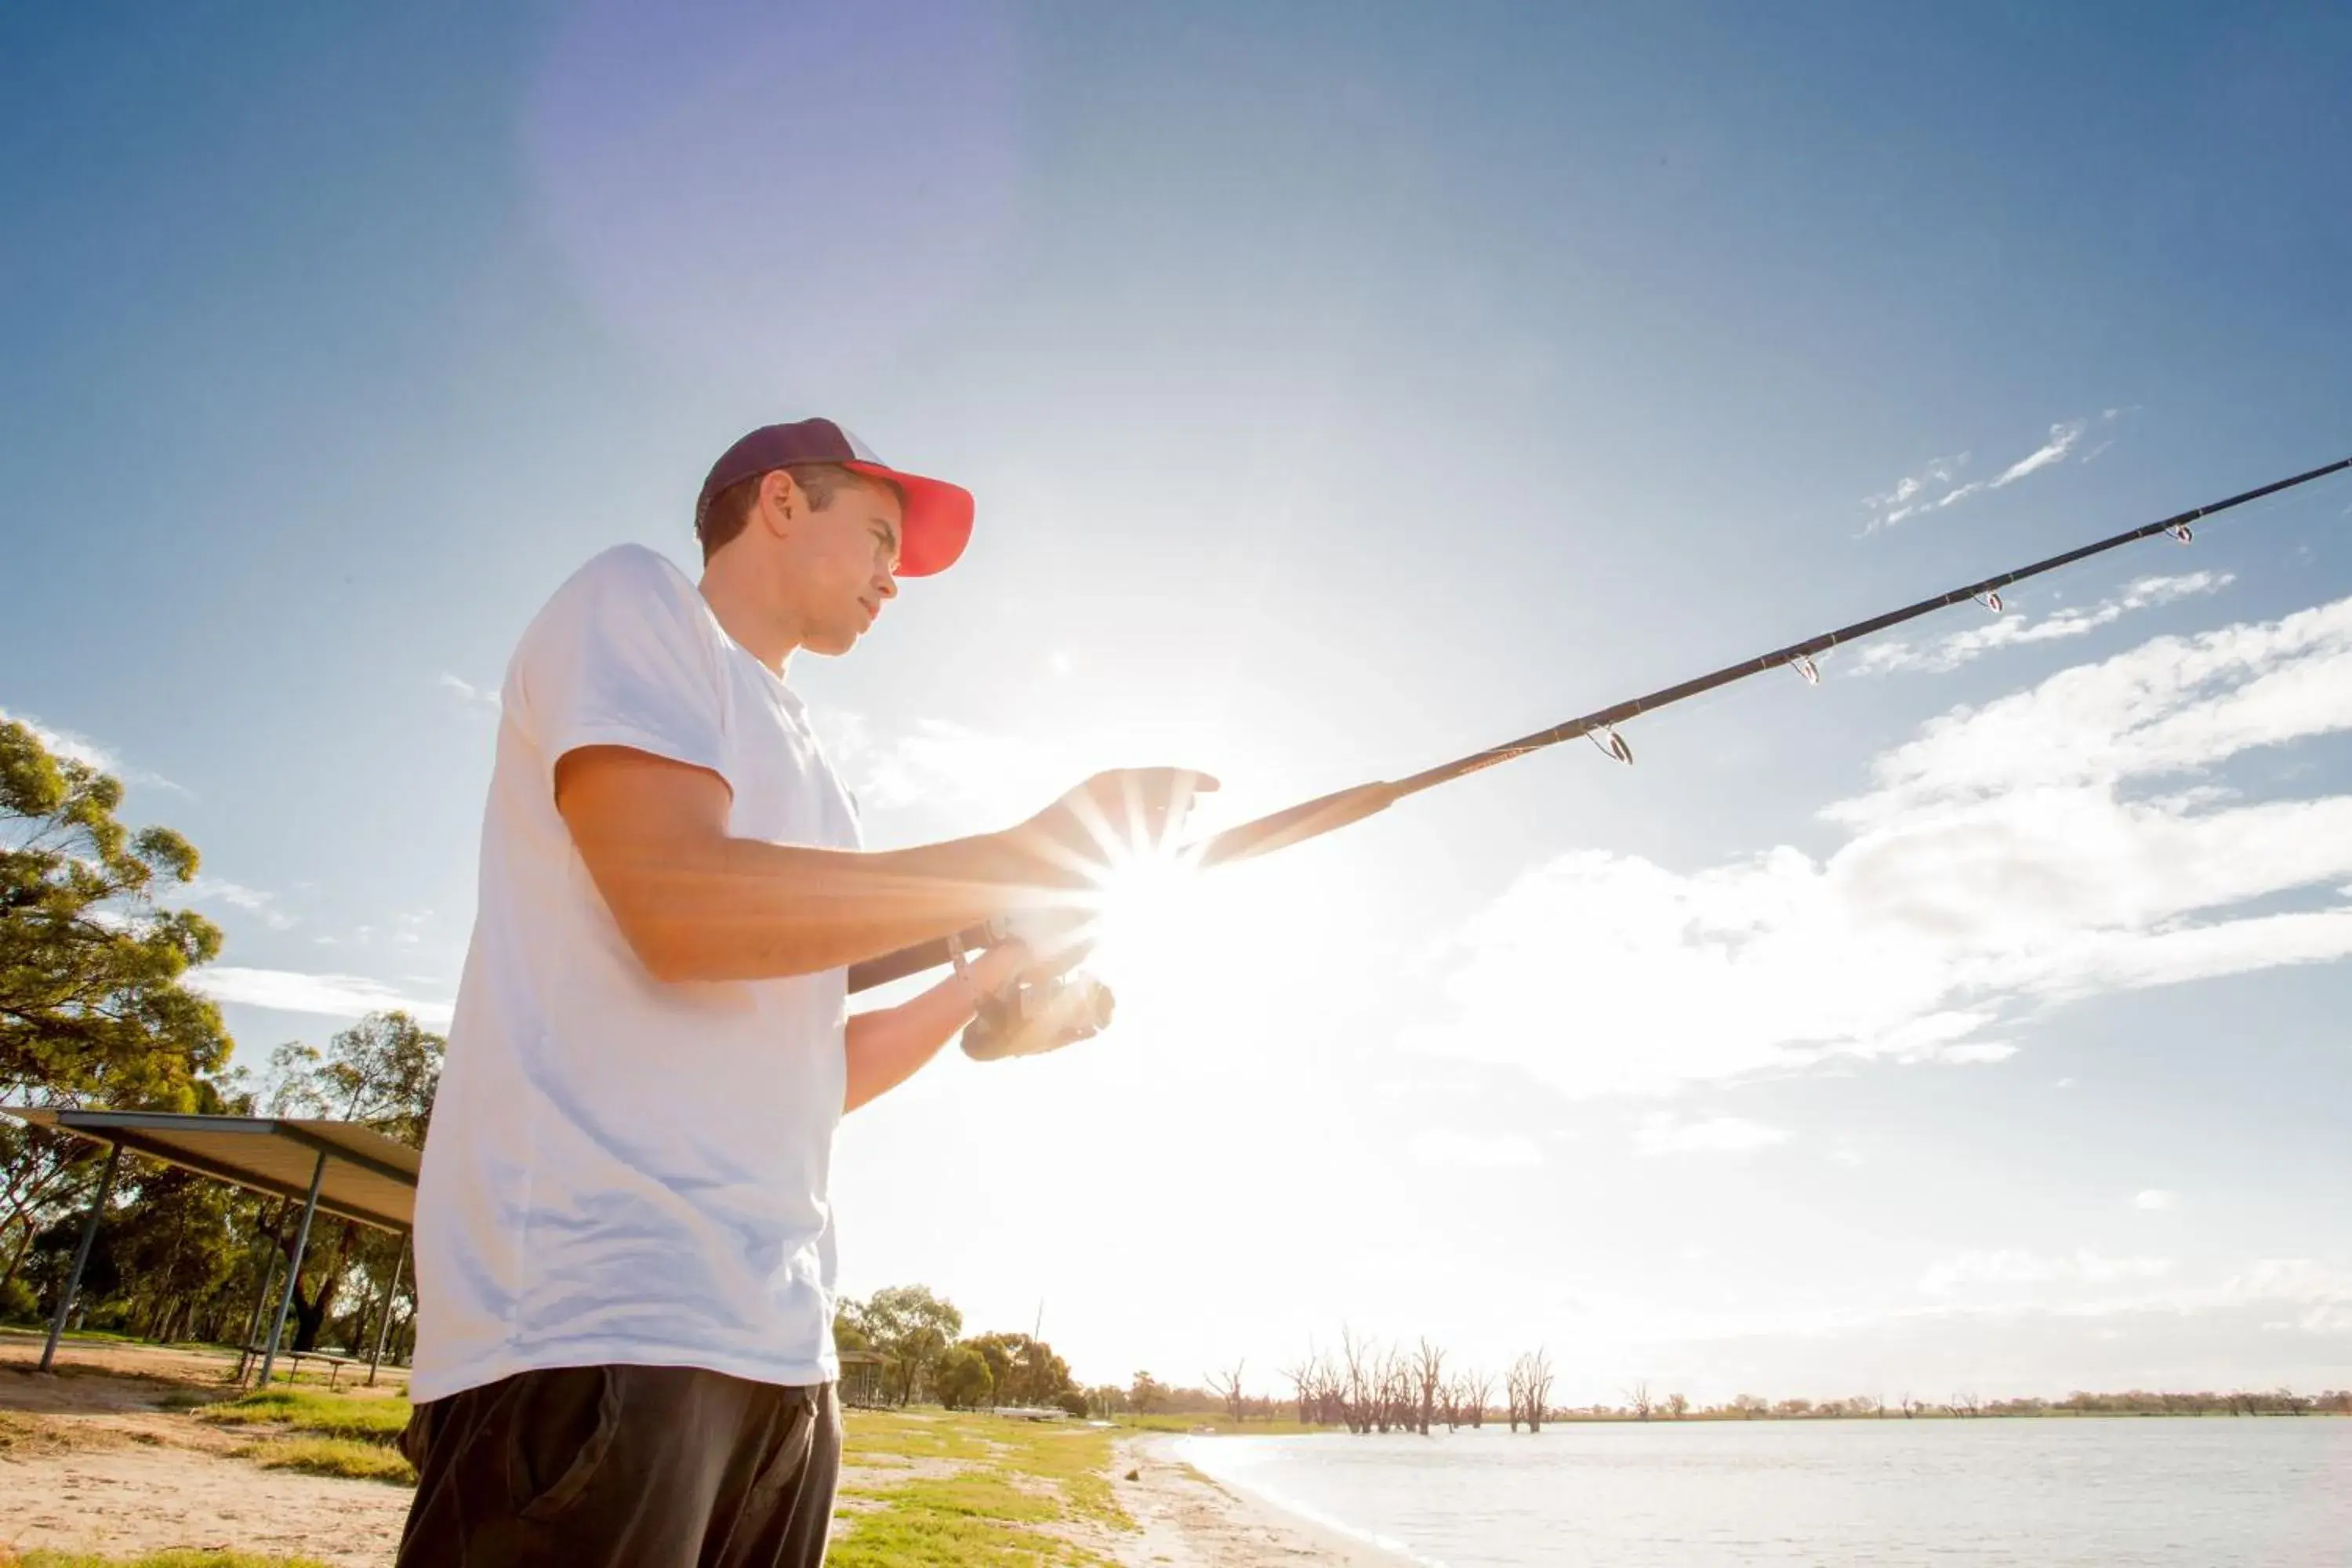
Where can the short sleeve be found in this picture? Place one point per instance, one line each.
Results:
(622, 655)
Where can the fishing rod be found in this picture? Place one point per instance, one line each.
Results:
(1313, 818)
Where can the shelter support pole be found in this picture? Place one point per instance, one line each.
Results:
(390, 1291)
(82, 1253)
(293, 1270)
(245, 1347)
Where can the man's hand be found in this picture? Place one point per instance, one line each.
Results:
(1124, 811)
(1045, 950)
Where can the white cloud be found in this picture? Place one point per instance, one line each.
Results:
(1908, 496)
(1967, 1270)
(331, 995)
(2324, 1293)
(477, 696)
(1998, 865)
(2155, 1198)
(1447, 1148)
(2061, 441)
(1951, 651)
(253, 901)
(945, 766)
(1968, 1053)
(82, 749)
(1662, 1134)
(1904, 499)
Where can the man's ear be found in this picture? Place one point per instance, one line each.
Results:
(782, 501)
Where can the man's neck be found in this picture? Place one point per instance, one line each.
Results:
(742, 610)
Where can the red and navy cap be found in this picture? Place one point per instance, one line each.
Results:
(936, 522)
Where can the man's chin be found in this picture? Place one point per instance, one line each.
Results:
(833, 645)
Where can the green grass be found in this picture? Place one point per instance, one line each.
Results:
(1220, 1424)
(333, 1457)
(364, 1420)
(47, 1559)
(1015, 1483)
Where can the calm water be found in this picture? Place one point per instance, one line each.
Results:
(1955, 1494)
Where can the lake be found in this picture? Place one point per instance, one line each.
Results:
(2052, 1493)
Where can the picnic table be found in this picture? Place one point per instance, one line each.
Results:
(335, 1363)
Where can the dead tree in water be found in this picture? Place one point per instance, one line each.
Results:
(1227, 1386)
(1478, 1393)
(1528, 1384)
(1319, 1388)
(1429, 1371)
(1394, 1404)
(1301, 1378)
(1361, 1372)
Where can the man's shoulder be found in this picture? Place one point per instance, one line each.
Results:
(627, 584)
(628, 568)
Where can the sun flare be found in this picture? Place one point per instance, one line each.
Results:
(1151, 915)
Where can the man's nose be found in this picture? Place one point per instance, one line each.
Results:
(886, 584)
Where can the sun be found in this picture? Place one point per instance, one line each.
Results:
(1151, 913)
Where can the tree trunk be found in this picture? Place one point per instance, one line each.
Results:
(17, 1258)
(311, 1315)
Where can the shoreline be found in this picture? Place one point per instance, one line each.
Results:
(1189, 1519)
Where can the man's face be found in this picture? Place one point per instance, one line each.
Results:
(840, 562)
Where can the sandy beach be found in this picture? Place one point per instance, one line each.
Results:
(94, 1458)
(1191, 1521)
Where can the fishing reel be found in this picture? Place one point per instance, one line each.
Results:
(1030, 1018)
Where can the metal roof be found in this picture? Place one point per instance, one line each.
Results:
(369, 1177)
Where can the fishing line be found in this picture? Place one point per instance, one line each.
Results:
(1313, 818)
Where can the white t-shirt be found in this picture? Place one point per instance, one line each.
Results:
(619, 1170)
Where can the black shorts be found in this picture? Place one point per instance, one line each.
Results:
(652, 1467)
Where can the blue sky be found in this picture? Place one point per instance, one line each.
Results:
(1344, 388)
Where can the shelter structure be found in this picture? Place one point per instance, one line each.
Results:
(861, 1380)
(340, 1168)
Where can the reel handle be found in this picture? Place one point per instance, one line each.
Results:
(1031, 1020)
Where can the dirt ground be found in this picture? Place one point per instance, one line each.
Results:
(104, 1456)
(93, 1458)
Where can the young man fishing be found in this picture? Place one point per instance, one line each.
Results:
(624, 1251)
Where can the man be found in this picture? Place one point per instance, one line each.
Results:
(625, 1252)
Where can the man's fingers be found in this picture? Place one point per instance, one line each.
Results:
(1153, 798)
(1058, 960)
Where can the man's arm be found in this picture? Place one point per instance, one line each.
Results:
(696, 904)
(888, 1047)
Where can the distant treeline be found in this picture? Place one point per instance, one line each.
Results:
(1364, 1386)
(1320, 1407)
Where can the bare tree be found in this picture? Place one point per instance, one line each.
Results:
(1360, 1372)
(1227, 1386)
(1394, 1405)
(1478, 1393)
(1909, 1406)
(1677, 1406)
(1637, 1399)
(1529, 1381)
(1330, 1404)
(1429, 1372)
(1304, 1386)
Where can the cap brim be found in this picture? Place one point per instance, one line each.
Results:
(935, 523)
